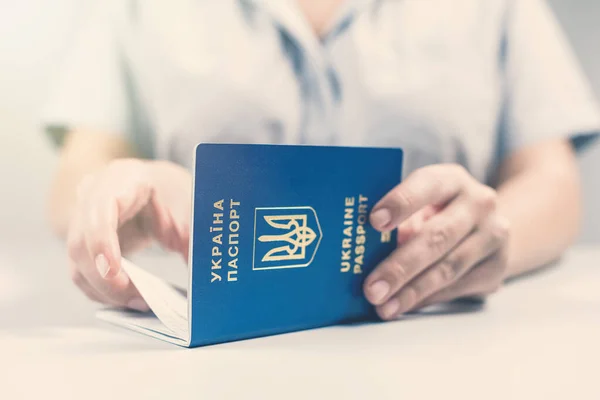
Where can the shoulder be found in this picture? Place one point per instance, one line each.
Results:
(439, 23)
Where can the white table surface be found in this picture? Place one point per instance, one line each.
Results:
(538, 338)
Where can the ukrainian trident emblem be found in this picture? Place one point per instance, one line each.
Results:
(285, 237)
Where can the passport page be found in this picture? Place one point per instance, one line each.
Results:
(168, 319)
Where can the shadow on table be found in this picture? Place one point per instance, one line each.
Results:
(476, 304)
(459, 306)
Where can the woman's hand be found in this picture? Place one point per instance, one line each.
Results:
(120, 209)
(452, 243)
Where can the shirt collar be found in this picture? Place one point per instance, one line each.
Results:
(288, 15)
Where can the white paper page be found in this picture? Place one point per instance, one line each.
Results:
(166, 302)
(147, 324)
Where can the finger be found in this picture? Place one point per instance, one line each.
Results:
(436, 184)
(410, 228)
(164, 227)
(439, 235)
(132, 236)
(118, 290)
(414, 224)
(430, 211)
(483, 280)
(108, 209)
(82, 283)
(475, 248)
(154, 221)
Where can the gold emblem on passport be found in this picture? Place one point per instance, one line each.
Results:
(285, 237)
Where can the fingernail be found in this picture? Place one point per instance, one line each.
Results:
(390, 309)
(378, 291)
(102, 265)
(381, 218)
(138, 304)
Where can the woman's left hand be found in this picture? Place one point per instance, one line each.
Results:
(452, 242)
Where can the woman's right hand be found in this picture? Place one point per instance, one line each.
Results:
(120, 209)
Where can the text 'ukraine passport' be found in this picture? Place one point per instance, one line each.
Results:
(280, 242)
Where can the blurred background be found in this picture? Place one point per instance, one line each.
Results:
(34, 38)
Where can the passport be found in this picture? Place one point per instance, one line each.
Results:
(280, 242)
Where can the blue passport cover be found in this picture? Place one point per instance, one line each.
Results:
(281, 239)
